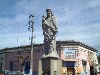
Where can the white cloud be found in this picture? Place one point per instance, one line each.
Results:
(94, 3)
(13, 24)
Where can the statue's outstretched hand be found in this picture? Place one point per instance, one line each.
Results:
(43, 17)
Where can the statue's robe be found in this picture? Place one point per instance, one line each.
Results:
(49, 27)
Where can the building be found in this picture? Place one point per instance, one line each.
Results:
(77, 58)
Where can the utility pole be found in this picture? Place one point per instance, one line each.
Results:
(31, 28)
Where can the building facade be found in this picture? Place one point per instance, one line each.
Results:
(77, 58)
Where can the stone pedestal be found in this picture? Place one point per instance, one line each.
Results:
(50, 66)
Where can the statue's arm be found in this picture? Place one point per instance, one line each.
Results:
(43, 22)
(55, 24)
(44, 26)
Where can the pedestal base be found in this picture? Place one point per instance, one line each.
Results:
(50, 66)
(52, 54)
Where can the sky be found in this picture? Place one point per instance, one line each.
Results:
(77, 20)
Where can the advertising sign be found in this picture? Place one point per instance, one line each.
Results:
(69, 53)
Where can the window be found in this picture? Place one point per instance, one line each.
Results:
(0, 66)
(27, 65)
(11, 65)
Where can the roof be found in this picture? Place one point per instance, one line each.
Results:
(68, 42)
(72, 42)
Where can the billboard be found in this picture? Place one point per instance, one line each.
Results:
(69, 53)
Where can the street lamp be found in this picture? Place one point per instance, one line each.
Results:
(31, 28)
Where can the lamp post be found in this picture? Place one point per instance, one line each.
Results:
(31, 28)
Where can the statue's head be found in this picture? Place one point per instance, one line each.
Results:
(49, 12)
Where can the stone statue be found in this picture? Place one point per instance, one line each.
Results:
(50, 30)
(50, 64)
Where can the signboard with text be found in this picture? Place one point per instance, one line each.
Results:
(69, 53)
